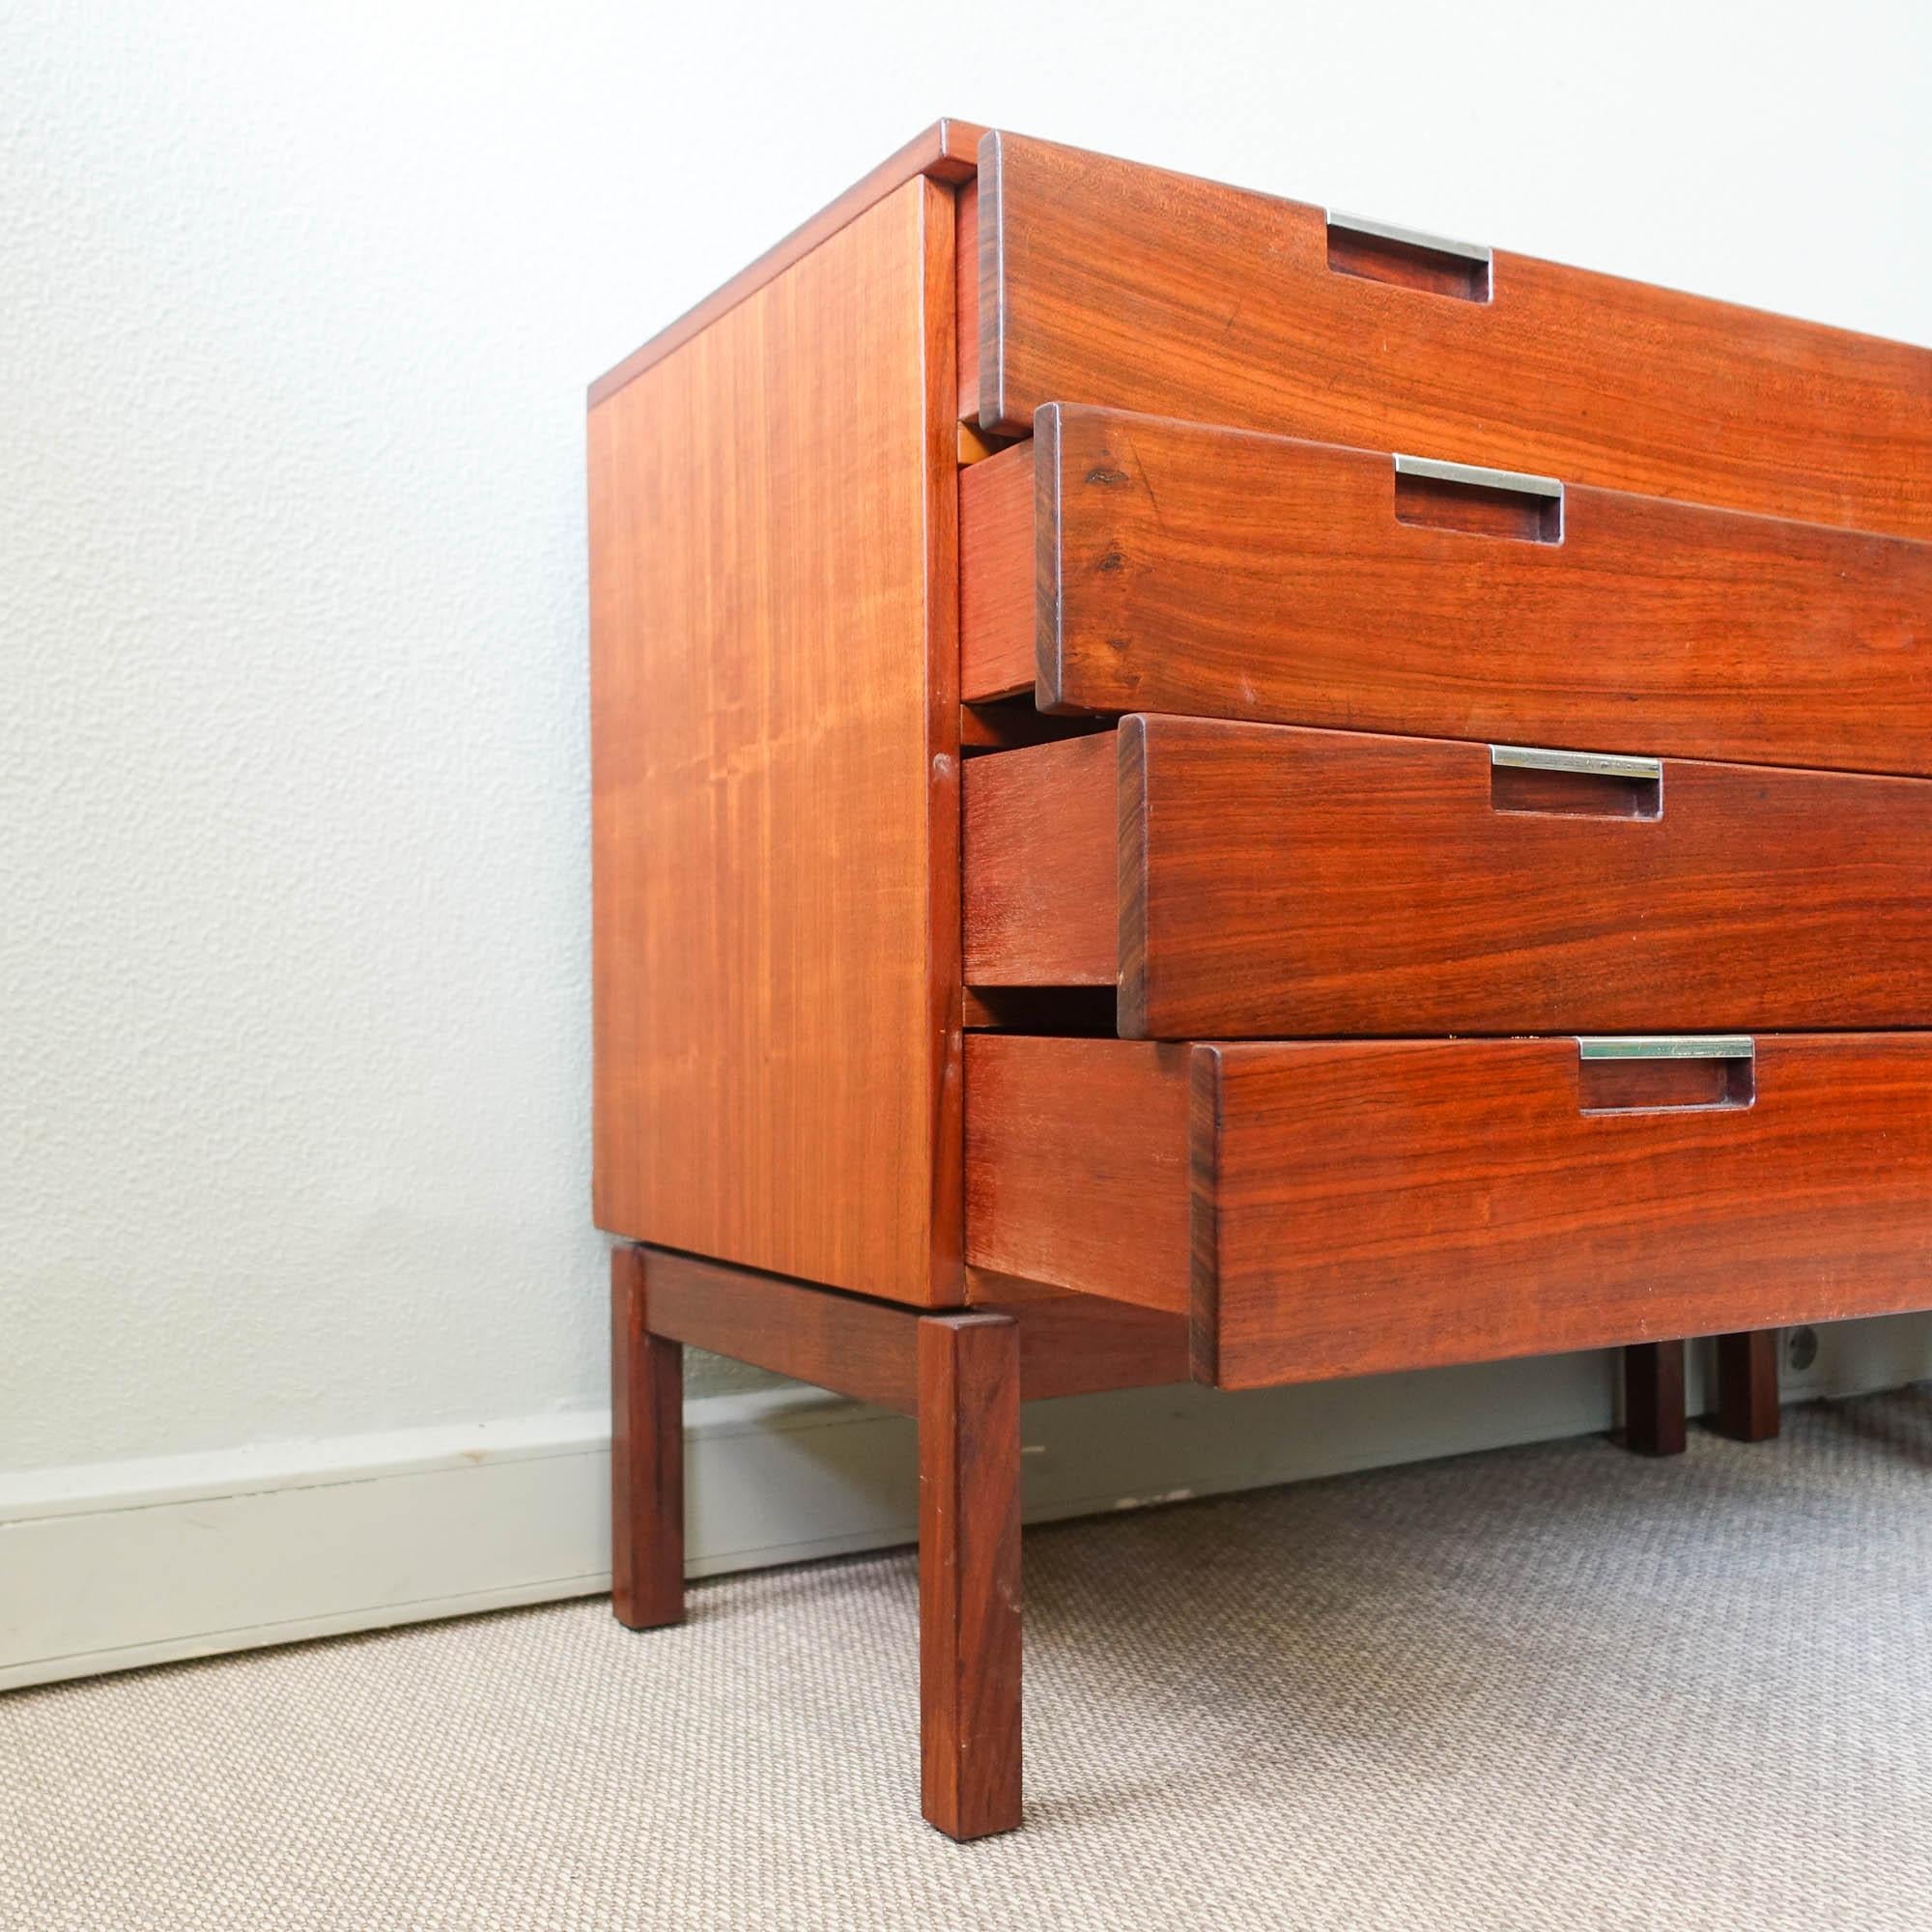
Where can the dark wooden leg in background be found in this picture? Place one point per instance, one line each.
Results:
(646, 1456)
(969, 1573)
(1654, 1420)
(1747, 1408)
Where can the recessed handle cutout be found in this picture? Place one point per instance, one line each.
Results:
(1583, 784)
(1646, 1073)
(1478, 502)
(1375, 251)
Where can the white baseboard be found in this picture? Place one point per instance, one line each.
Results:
(110, 1566)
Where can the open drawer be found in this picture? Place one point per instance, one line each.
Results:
(1262, 880)
(1116, 283)
(1338, 1208)
(1131, 563)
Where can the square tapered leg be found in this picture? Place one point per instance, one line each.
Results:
(969, 1573)
(1654, 1412)
(646, 1455)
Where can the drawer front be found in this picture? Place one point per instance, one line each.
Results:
(1254, 880)
(1189, 569)
(1121, 284)
(1353, 1207)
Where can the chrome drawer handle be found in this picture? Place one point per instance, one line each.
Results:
(1401, 258)
(1667, 1047)
(1409, 237)
(1475, 476)
(1594, 764)
(1485, 502)
(1629, 1073)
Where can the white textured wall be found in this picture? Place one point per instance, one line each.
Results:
(296, 307)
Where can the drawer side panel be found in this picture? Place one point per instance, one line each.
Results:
(1040, 865)
(1076, 1164)
(996, 575)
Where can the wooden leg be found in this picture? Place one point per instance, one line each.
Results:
(646, 1456)
(969, 1573)
(1747, 1407)
(1654, 1422)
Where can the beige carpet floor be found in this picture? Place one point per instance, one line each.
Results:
(1552, 1687)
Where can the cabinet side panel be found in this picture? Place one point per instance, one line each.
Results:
(1076, 1164)
(775, 813)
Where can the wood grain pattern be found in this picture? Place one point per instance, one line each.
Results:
(1385, 1205)
(1277, 881)
(966, 305)
(1654, 1422)
(858, 1348)
(945, 152)
(774, 773)
(1746, 1408)
(1113, 283)
(1038, 863)
(1070, 1345)
(996, 587)
(1085, 1345)
(1076, 1164)
(945, 1206)
(1371, 1205)
(647, 1454)
(1221, 574)
(969, 1573)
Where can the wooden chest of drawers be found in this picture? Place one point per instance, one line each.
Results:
(1184, 785)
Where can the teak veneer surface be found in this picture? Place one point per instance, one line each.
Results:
(1171, 566)
(1356, 1207)
(1255, 880)
(1040, 832)
(1069, 1344)
(997, 553)
(1104, 281)
(1074, 1344)
(1081, 1185)
(966, 303)
(775, 774)
(860, 1348)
